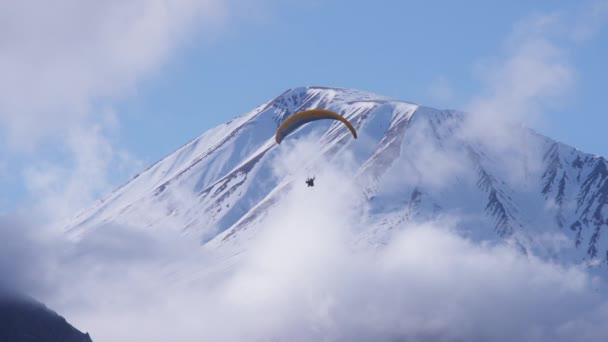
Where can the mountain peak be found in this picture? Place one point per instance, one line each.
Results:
(309, 97)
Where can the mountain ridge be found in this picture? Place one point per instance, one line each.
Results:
(24, 319)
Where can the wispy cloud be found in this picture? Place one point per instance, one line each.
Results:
(93, 161)
(534, 72)
(589, 21)
(519, 87)
(533, 75)
(57, 58)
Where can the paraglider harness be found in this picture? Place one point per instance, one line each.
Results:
(310, 181)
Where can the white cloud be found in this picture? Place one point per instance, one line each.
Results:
(303, 277)
(432, 159)
(59, 189)
(534, 73)
(589, 20)
(59, 57)
(304, 280)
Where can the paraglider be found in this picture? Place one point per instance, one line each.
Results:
(301, 118)
(310, 181)
(298, 119)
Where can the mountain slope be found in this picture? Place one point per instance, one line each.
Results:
(24, 320)
(411, 162)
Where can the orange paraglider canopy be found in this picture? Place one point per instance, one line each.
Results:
(296, 120)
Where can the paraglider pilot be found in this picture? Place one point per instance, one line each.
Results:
(310, 181)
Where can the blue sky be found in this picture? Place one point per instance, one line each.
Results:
(400, 49)
(95, 93)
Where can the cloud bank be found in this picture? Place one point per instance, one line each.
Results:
(307, 275)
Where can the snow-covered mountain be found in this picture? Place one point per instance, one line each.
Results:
(410, 162)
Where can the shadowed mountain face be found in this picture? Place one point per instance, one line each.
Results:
(410, 162)
(25, 320)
